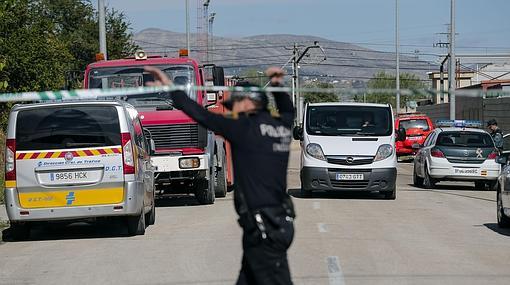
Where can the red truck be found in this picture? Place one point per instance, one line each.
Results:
(188, 158)
(418, 127)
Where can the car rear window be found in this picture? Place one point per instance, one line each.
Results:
(415, 123)
(67, 127)
(465, 139)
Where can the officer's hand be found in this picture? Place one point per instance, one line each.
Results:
(160, 78)
(276, 75)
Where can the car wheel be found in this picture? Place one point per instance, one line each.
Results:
(390, 195)
(417, 180)
(480, 185)
(136, 224)
(493, 185)
(305, 193)
(20, 231)
(151, 216)
(503, 220)
(428, 182)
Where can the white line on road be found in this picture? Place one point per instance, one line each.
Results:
(335, 274)
(323, 228)
(316, 205)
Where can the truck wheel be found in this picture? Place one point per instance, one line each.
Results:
(480, 185)
(220, 179)
(417, 180)
(503, 220)
(20, 231)
(204, 192)
(136, 224)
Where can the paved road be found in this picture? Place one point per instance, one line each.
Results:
(445, 236)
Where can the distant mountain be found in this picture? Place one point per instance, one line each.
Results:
(344, 61)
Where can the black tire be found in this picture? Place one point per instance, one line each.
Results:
(480, 185)
(493, 185)
(136, 224)
(390, 195)
(220, 179)
(305, 193)
(151, 216)
(428, 182)
(503, 220)
(20, 231)
(417, 181)
(204, 192)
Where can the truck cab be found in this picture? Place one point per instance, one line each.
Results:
(187, 157)
(417, 127)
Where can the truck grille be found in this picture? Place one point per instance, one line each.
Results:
(175, 136)
(350, 160)
(358, 184)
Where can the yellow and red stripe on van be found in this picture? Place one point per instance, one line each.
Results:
(61, 154)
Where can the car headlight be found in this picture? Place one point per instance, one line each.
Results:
(315, 151)
(383, 152)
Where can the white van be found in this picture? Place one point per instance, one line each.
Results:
(78, 160)
(348, 147)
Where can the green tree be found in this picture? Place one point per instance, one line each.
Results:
(254, 76)
(383, 80)
(318, 97)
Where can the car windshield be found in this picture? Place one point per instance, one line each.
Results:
(348, 120)
(464, 139)
(126, 77)
(414, 124)
(63, 127)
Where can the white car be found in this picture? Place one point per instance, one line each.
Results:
(457, 153)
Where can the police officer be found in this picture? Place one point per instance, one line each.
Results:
(496, 133)
(260, 151)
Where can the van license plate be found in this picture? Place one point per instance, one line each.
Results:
(349, 176)
(72, 176)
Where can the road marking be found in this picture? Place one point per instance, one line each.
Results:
(316, 205)
(335, 274)
(323, 228)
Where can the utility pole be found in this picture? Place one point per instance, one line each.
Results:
(102, 28)
(397, 53)
(211, 22)
(453, 62)
(294, 73)
(187, 27)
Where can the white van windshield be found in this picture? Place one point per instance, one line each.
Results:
(348, 120)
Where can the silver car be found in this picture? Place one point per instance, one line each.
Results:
(78, 160)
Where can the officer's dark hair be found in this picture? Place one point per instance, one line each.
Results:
(492, 122)
(259, 98)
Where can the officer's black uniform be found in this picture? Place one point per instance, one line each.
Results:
(260, 151)
(497, 134)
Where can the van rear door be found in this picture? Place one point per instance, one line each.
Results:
(69, 155)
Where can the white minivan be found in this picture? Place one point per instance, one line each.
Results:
(348, 147)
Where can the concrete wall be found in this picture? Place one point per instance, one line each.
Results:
(473, 109)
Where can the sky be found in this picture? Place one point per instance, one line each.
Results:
(483, 26)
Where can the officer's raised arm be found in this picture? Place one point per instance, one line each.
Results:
(282, 99)
(217, 123)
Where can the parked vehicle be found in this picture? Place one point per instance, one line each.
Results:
(418, 127)
(348, 147)
(188, 157)
(78, 160)
(503, 191)
(457, 151)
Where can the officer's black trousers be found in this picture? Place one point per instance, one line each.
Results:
(265, 260)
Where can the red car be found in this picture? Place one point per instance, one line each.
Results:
(417, 126)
